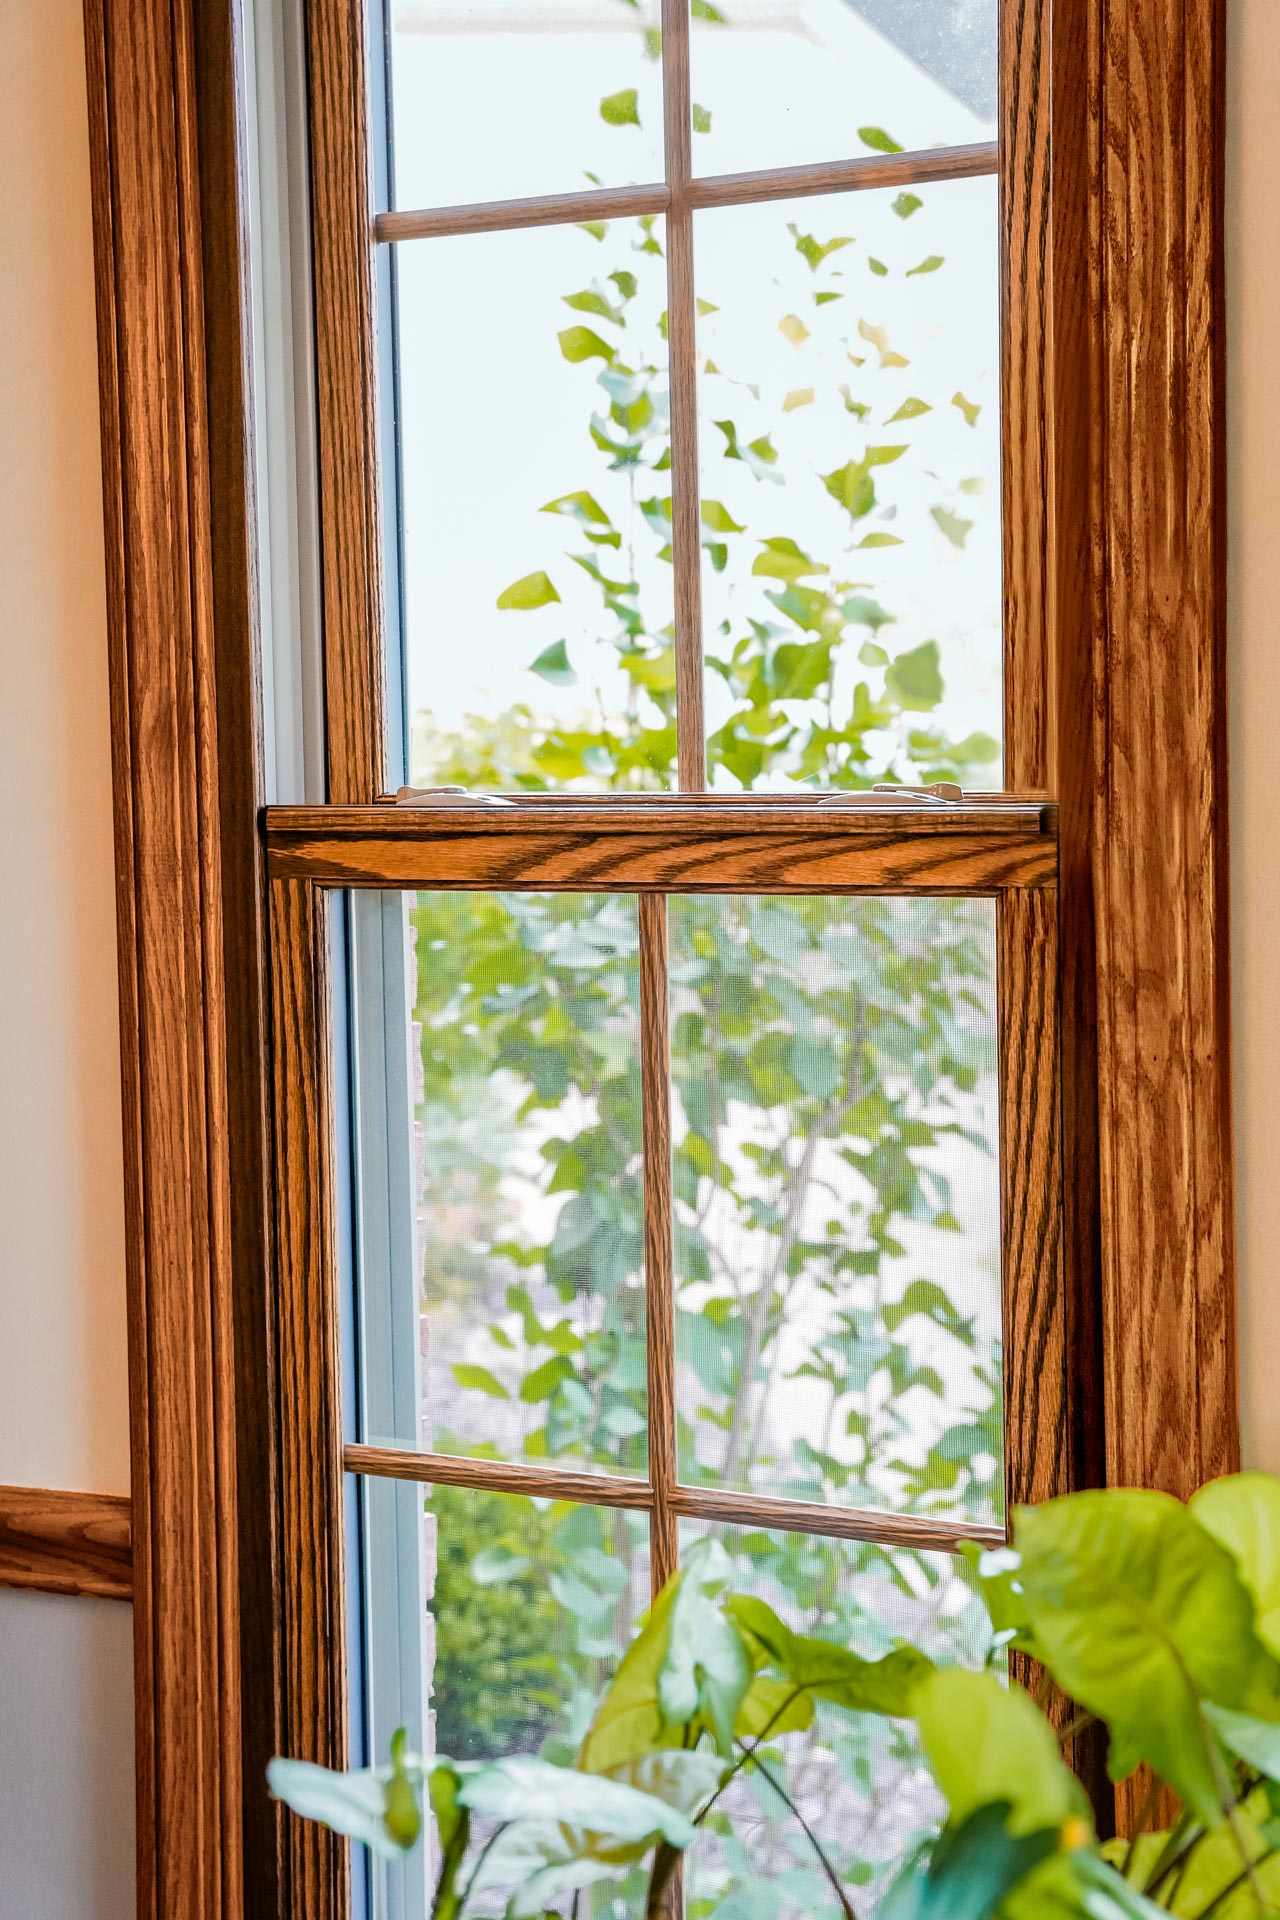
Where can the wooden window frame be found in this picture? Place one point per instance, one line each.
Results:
(1114, 498)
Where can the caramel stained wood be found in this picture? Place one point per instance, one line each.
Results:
(499, 1476)
(707, 190)
(160, 643)
(682, 355)
(317, 1878)
(58, 1542)
(908, 1531)
(1037, 1387)
(685, 848)
(1159, 749)
(659, 1257)
(221, 107)
(347, 418)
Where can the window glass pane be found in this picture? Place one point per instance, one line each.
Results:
(784, 83)
(535, 454)
(859, 1780)
(505, 99)
(529, 1228)
(850, 460)
(836, 1200)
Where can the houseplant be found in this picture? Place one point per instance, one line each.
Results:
(1159, 1620)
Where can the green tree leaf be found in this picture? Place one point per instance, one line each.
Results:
(956, 530)
(522, 1787)
(479, 1380)
(522, 596)
(929, 264)
(701, 119)
(621, 109)
(905, 204)
(877, 137)
(915, 678)
(969, 408)
(580, 343)
(552, 665)
(969, 1871)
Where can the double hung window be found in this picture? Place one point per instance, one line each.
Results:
(666, 1013)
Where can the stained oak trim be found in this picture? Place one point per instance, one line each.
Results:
(696, 192)
(312, 1599)
(58, 1542)
(1156, 658)
(499, 1476)
(347, 415)
(149, 276)
(886, 1529)
(677, 847)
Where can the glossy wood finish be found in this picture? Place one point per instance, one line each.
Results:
(160, 638)
(659, 1252)
(224, 200)
(1159, 746)
(56, 1542)
(313, 1601)
(708, 190)
(347, 419)
(499, 1476)
(668, 847)
(906, 1530)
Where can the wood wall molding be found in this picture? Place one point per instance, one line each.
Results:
(1156, 142)
(58, 1542)
(160, 631)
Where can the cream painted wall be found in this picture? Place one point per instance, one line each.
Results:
(66, 1690)
(63, 1403)
(1253, 453)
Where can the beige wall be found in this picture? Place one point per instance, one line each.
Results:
(66, 1693)
(1253, 440)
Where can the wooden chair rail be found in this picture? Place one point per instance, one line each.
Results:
(59, 1542)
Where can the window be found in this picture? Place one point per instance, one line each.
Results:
(1116, 1274)
(683, 1037)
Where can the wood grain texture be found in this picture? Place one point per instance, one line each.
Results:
(1037, 1387)
(659, 1255)
(57, 1542)
(499, 1476)
(682, 355)
(155, 432)
(691, 848)
(221, 108)
(841, 1523)
(347, 418)
(706, 190)
(314, 1678)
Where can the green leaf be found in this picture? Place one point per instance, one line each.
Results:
(969, 1870)
(682, 1777)
(782, 559)
(986, 1742)
(552, 665)
(522, 596)
(621, 109)
(906, 204)
(827, 1671)
(794, 329)
(718, 518)
(969, 408)
(813, 251)
(479, 1380)
(915, 678)
(1242, 1511)
(523, 1787)
(872, 655)
(929, 264)
(357, 1803)
(628, 1722)
(877, 137)
(701, 119)
(910, 410)
(1141, 1615)
(705, 1672)
(880, 540)
(453, 1830)
(580, 343)
(999, 1576)
(956, 530)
